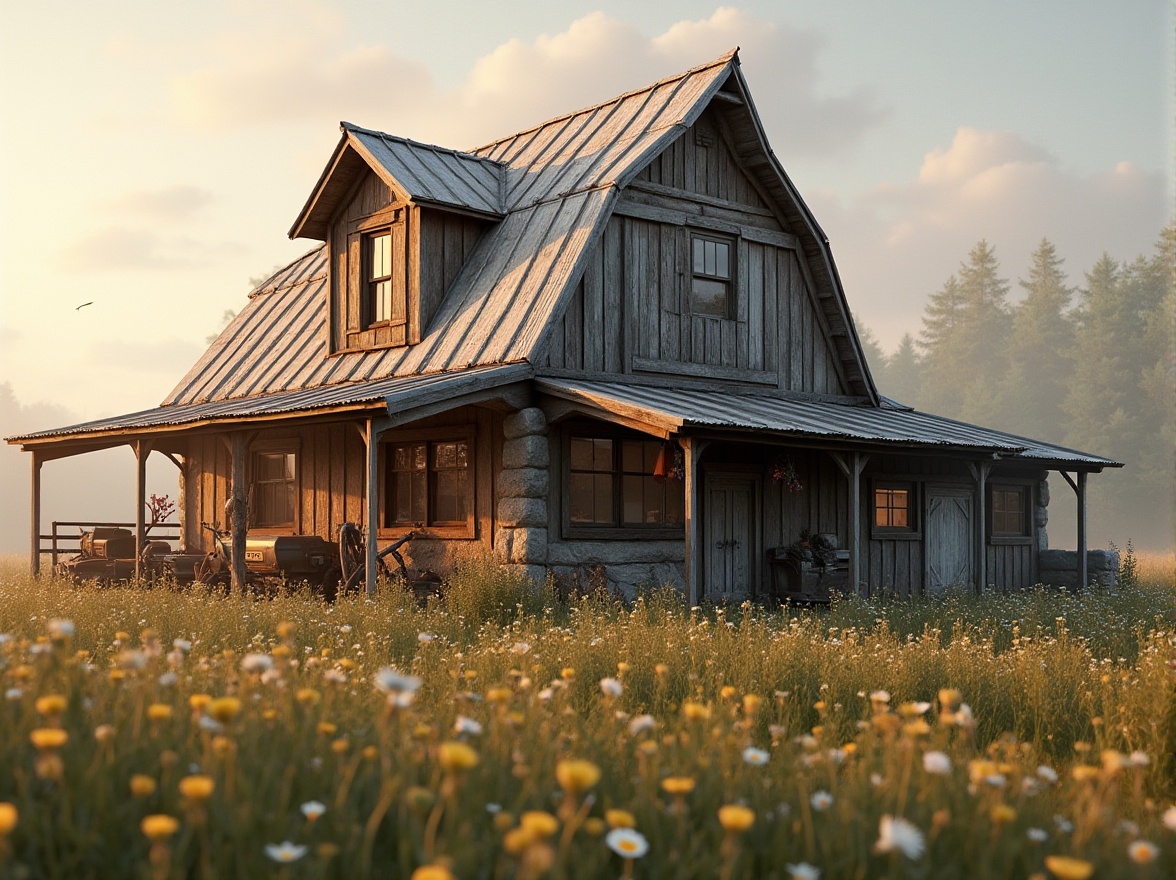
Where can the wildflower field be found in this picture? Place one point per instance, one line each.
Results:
(500, 733)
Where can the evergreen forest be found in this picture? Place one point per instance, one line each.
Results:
(1091, 366)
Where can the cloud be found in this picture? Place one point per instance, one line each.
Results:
(124, 248)
(178, 202)
(271, 78)
(899, 242)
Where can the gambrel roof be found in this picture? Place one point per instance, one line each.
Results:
(557, 183)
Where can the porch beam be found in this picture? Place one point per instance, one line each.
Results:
(691, 452)
(980, 472)
(372, 430)
(238, 444)
(142, 449)
(1080, 489)
(35, 516)
(852, 464)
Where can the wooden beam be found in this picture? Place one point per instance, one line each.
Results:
(142, 449)
(35, 516)
(980, 472)
(691, 452)
(373, 430)
(240, 510)
(1083, 574)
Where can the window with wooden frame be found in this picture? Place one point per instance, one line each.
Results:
(712, 261)
(611, 485)
(429, 482)
(274, 489)
(383, 302)
(1008, 512)
(895, 509)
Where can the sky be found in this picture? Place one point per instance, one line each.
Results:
(153, 155)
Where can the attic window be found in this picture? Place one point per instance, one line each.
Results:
(383, 307)
(711, 272)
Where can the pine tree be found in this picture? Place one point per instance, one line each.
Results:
(875, 357)
(1040, 353)
(942, 328)
(904, 372)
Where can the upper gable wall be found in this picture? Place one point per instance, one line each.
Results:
(631, 312)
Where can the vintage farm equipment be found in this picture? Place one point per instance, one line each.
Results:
(106, 554)
(270, 560)
(353, 563)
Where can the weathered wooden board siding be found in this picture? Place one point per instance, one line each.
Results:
(445, 243)
(1010, 567)
(822, 504)
(702, 161)
(632, 303)
(331, 468)
(371, 195)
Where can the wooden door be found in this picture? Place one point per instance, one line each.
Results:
(730, 537)
(949, 539)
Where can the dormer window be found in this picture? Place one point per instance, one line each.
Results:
(382, 305)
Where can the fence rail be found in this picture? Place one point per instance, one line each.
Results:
(60, 543)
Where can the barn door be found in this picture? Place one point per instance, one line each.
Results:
(949, 539)
(730, 542)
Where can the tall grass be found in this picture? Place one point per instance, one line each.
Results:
(1084, 686)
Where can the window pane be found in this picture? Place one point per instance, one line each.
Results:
(675, 502)
(723, 261)
(633, 502)
(632, 457)
(581, 454)
(699, 256)
(602, 490)
(591, 499)
(708, 297)
(452, 492)
(602, 455)
(381, 267)
(444, 455)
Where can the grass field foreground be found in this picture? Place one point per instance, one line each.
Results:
(501, 733)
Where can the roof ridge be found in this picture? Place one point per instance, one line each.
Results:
(725, 58)
(461, 154)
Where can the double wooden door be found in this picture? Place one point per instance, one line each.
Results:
(731, 536)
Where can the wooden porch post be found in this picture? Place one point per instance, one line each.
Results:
(142, 449)
(853, 473)
(35, 516)
(1083, 574)
(240, 508)
(691, 451)
(373, 430)
(980, 472)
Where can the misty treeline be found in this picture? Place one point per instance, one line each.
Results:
(1089, 366)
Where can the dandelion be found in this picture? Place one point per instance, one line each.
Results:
(257, 663)
(821, 801)
(159, 826)
(803, 871)
(467, 726)
(197, 788)
(937, 763)
(897, 834)
(736, 818)
(611, 687)
(627, 843)
(1142, 852)
(391, 680)
(1069, 867)
(755, 757)
(576, 777)
(313, 809)
(285, 852)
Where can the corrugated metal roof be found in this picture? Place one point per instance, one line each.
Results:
(427, 173)
(399, 394)
(682, 410)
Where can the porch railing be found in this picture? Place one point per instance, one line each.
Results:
(60, 543)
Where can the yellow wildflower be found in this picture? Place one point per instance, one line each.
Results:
(576, 777)
(326, 728)
(498, 695)
(199, 702)
(516, 840)
(567, 673)
(159, 711)
(539, 823)
(677, 785)
(142, 786)
(1085, 773)
(51, 705)
(48, 738)
(224, 709)
(594, 826)
(726, 692)
(751, 704)
(1069, 867)
(736, 818)
(455, 757)
(286, 629)
(307, 696)
(620, 819)
(105, 733)
(159, 826)
(693, 711)
(8, 818)
(197, 788)
(1002, 814)
(432, 872)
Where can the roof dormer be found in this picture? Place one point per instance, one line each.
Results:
(399, 219)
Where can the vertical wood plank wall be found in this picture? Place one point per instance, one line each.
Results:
(330, 471)
(633, 300)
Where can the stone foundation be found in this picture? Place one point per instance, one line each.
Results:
(520, 539)
(621, 567)
(1059, 568)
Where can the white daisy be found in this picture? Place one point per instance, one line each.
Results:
(755, 757)
(611, 687)
(284, 852)
(896, 833)
(627, 843)
(391, 680)
(803, 871)
(937, 762)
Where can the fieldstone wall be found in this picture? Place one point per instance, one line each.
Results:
(620, 566)
(1059, 568)
(1041, 514)
(520, 538)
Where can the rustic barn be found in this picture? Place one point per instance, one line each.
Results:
(615, 346)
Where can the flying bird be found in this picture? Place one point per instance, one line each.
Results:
(83, 305)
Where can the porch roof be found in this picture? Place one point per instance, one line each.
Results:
(397, 394)
(684, 410)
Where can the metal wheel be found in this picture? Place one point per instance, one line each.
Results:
(352, 554)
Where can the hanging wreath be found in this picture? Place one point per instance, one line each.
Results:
(784, 472)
